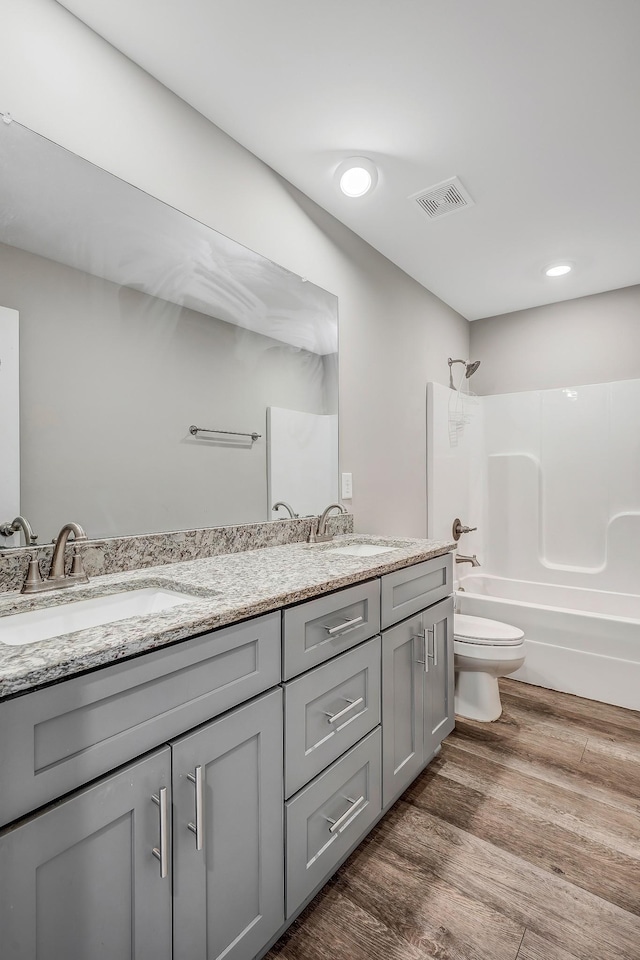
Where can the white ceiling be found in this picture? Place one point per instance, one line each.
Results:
(535, 106)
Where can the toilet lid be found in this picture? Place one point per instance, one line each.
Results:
(480, 630)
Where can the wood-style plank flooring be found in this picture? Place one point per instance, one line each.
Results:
(521, 841)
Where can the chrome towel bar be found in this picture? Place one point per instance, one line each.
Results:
(194, 431)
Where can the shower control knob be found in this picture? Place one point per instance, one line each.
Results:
(459, 528)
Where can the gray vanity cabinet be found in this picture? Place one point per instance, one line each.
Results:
(417, 694)
(79, 880)
(228, 833)
(180, 854)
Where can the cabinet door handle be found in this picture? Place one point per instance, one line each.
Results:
(161, 853)
(336, 824)
(196, 827)
(423, 640)
(344, 627)
(351, 705)
(431, 632)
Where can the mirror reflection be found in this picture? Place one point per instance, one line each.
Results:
(135, 323)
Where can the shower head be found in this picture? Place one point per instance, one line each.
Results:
(470, 367)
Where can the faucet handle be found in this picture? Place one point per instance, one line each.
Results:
(459, 528)
(33, 582)
(77, 570)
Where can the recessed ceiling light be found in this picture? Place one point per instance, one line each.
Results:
(357, 176)
(558, 269)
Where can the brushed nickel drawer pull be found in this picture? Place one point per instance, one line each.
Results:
(336, 824)
(344, 627)
(161, 853)
(196, 827)
(333, 717)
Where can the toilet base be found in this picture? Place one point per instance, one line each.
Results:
(477, 696)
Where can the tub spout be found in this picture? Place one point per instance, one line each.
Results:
(472, 560)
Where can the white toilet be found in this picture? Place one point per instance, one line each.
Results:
(483, 651)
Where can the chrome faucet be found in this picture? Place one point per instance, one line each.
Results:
(283, 503)
(472, 560)
(319, 529)
(20, 523)
(57, 577)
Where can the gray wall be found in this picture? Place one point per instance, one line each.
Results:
(589, 340)
(60, 79)
(111, 379)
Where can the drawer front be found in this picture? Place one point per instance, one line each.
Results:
(410, 590)
(55, 739)
(328, 710)
(318, 630)
(326, 819)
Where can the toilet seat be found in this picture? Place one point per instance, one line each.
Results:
(479, 631)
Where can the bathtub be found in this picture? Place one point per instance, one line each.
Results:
(580, 641)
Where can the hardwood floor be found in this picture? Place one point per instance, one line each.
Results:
(521, 841)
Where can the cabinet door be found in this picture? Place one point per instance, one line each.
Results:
(79, 880)
(228, 834)
(439, 718)
(402, 706)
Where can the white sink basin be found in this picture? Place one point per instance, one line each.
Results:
(33, 625)
(360, 549)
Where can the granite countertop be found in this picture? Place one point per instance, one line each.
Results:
(225, 588)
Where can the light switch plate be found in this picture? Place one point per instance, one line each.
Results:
(347, 486)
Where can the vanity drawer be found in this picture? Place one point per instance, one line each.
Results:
(55, 739)
(328, 710)
(410, 590)
(326, 819)
(319, 629)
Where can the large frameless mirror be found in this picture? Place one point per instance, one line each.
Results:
(137, 324)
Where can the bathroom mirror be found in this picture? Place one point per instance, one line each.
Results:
(136, 323)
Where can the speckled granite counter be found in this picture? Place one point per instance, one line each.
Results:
(225, 588)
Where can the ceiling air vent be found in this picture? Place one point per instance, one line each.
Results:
(442, 199)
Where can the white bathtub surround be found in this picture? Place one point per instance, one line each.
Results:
(552, 479)
(580, 641)
(302, 459)
(484, 650)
